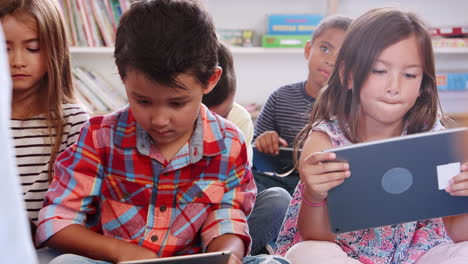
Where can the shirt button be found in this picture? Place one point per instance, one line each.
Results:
(154, 238)
(162, 209)
(126, 195)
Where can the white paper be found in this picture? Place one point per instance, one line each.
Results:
(15, 236)
(447, 172)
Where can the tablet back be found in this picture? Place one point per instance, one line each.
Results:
(396, 180)
(275, 164)
(221, 257)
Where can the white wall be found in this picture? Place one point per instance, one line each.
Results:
(260, 73)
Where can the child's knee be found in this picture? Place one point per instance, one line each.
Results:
(312, 249)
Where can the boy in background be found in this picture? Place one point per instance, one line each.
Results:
(164, 176)
(271, 204)
(274, 126)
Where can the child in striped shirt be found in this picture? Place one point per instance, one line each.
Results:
(45, 118)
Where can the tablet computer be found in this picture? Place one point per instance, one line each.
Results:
(397, 180)
(279, 165)
(221, 257)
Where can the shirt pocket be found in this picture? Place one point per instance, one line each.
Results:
(125, 207)
(194, 201)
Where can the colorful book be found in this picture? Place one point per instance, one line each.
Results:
(452, 81)
(292, 24)
(285, 41)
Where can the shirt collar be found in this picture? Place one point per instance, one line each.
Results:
(207, 138)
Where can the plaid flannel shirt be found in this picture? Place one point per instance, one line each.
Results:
(115, 182)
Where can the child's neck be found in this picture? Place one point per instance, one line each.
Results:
(25, 104)
(372, 132)
(170, 150)
(312, 89)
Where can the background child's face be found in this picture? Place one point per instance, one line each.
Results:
(224, 108)
(321, 55)
(27, 59)
(168, 114)
(393, 84)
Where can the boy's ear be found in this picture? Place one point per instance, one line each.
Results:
(213, 80)
(307, 49)
(342, 77)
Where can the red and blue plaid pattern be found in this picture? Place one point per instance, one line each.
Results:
(105, 183)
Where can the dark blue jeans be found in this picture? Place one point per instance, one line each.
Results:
(266, 217)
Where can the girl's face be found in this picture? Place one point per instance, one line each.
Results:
(27, 59)
(321, 55)
(393, 84)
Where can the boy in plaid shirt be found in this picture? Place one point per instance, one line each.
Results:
(163, 176)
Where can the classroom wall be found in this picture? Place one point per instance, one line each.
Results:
(260, 73)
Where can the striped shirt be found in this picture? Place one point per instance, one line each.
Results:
(116, 182)
(33, 147)
(286, 111)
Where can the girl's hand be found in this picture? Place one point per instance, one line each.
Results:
(458, 185)
(320, 174)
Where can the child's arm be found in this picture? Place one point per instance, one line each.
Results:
(267, 140)
(72, 198)
(457, 226)
(227, 222)
(231, 243)
(318, 175)
(78, 239)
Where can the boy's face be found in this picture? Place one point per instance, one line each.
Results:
(224, 108)
(321, 55)
(166, 113)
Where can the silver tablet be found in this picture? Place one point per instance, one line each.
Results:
(221, 257)
(397, 180)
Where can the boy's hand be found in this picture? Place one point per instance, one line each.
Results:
(319, 175)
(458, 185)
(130, 251)
(234, 260)
(269, 142)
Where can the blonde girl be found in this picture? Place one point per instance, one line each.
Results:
(44, 117)
(383, 86)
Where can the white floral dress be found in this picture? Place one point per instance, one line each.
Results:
(402, 243)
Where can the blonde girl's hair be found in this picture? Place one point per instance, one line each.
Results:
(364, 41)
(56, 87)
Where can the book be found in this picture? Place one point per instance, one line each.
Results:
(102, 20)
(452, 81)
(236, 37)
(292, 24)
(285, 41)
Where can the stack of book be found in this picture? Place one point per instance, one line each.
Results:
(289, 30)
(452, 81)
(93, 23)
(236, 37)
(95, 92)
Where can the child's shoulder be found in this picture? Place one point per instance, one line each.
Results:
(220, 128)
(333, 130)
(74, 112)
(111, 120)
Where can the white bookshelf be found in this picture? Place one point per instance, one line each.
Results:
(261, 70)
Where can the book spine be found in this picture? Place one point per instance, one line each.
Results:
(86, 24)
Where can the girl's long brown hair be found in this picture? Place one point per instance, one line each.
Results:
(364, 41)
(56, 87)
